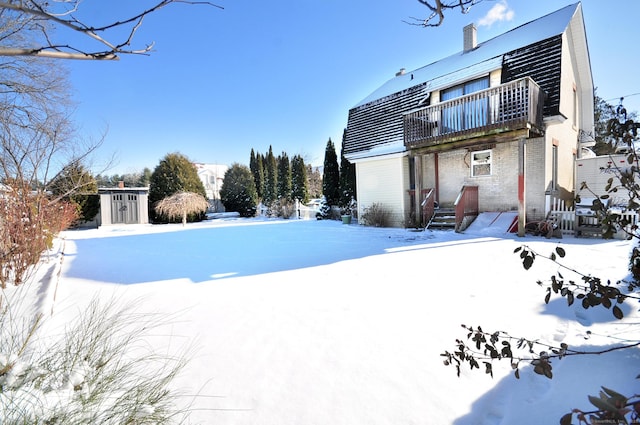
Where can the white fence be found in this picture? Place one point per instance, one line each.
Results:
(307, 213)
(564, 216)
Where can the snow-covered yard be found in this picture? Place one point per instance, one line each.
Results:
(315, 322)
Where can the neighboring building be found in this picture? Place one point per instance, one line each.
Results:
(123, 205)
(503, 117)
(212, 177)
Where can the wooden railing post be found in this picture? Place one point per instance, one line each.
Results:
(466, 204)
(428, 207)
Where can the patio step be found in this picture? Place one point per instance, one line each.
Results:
(443, 219)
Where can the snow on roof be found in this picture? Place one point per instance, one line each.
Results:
(383, 150)
(123, 189)
(465, 65)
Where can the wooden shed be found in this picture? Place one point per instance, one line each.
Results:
(124, 205)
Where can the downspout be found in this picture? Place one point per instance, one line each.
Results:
(437, 177)
(417, 193)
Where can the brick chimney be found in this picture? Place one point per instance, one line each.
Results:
(470, 37)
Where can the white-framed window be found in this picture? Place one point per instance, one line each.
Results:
(470, 114)
(481, 163)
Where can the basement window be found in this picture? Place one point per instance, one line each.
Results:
(481, 163)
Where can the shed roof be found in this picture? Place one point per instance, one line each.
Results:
(486, 55)
(141, 189)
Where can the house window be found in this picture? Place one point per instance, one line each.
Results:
(466, 88)
(481, 163)
(472, 113)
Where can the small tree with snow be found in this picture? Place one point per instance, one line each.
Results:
(181, 205)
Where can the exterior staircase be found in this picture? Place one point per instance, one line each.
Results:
(443, 219)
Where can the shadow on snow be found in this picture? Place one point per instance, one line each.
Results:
(206, 253)
(534, 399)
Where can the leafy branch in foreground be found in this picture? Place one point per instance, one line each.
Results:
(590, 290)
(483, 347)
(612, 406)
(486, 347)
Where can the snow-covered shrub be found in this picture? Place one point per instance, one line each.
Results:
(324, 212)
(351, 208)
(283, 208)
(376, 215)
(328, 212)
(97, 371)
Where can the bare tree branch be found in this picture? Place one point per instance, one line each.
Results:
(438, 8)
(41, 11)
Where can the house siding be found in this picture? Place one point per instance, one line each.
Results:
(536, 178)
(497, 192)
(565, 136)
(384, 181)
(379, 123)
(542, 62)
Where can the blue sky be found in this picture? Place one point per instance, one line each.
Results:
(286, 73)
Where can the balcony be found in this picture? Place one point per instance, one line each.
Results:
(510, 107)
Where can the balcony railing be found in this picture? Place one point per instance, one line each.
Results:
(512, 106)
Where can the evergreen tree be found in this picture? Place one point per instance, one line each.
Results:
(271, 178)
(145, 178)
(603, 112)
(257, 170)
(72, 179)
(138, 179)
(284, 177)
(252, 161)
(299, 180)
(238, 192)
(175, 173)
(259, 178)
(347, 177)
(331, 175)
(76, 185)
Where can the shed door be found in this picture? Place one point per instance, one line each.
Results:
(124, 208)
